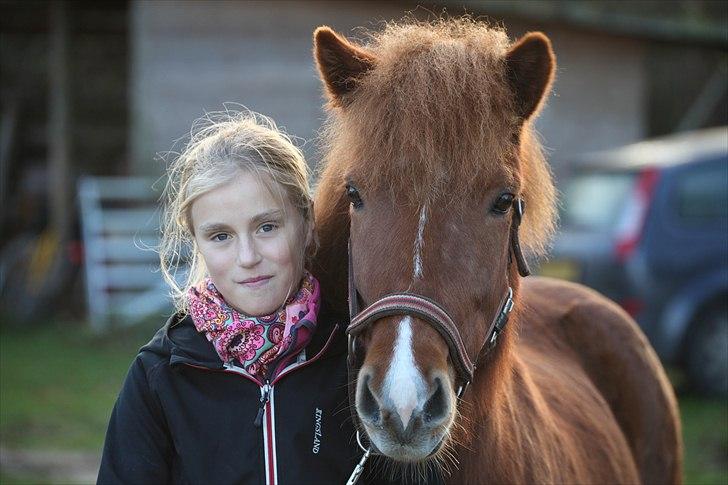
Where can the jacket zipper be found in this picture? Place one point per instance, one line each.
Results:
(269, 440)
(265, 410)
(264, 396)
(267, 406)
(267, 400)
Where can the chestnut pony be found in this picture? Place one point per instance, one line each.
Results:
(429, 147)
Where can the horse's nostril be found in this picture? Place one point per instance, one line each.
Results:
(436, 407)
(366, 403)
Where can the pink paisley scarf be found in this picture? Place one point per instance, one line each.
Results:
(262, 345)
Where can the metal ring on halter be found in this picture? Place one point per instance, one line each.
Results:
(508, 306)
(358, 441)
(351, 341)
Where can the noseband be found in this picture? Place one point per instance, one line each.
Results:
(437, 317)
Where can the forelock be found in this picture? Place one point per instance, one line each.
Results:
(435, 116)
(436, 109)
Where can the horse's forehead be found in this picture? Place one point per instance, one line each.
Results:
(442, 216)
(446, 191)
(434, 163)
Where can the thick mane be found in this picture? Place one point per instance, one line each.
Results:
(435, 116)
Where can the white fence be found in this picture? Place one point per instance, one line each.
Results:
(120, 229)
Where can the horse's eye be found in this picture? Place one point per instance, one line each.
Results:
(503, 203)
(354, 196)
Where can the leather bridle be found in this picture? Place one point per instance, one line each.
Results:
(437, 317)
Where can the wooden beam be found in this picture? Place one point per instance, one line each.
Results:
(59, 197)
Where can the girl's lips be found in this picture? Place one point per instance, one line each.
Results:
(256, 281)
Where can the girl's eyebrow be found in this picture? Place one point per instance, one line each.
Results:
(213, 227)
(267, 216)
(210, 227)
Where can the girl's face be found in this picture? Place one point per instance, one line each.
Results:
(251, 241)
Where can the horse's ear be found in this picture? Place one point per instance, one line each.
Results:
(340, 63)
(530, 67)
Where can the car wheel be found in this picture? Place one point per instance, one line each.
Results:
(707, 360)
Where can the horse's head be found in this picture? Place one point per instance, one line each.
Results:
(429, 145)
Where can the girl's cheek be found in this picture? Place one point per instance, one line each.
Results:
(273, 247)
(215, 256)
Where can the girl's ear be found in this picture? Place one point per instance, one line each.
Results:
(340, 64)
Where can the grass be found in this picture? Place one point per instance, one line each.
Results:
(59, 382)
(705, 435)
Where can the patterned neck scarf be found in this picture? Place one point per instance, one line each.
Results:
(262, 345)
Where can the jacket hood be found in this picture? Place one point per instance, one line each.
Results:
(180, 342)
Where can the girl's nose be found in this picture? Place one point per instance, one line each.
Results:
(248, 255)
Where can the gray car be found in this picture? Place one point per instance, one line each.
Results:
(647, 225)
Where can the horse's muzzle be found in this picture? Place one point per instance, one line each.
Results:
(409, 428)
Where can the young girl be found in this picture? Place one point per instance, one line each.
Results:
(247, 382)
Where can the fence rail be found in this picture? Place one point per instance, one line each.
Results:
(120, 229)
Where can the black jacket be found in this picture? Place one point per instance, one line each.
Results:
(184, 417)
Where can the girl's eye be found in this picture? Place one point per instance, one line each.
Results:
(503, 203)
(267, 227)
(220, 237)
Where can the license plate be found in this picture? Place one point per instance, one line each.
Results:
(563, 270)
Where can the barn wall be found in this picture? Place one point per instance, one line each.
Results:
(191, 57)
(599, 99)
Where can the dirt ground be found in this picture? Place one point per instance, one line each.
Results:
(54, 466)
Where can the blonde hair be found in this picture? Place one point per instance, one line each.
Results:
(221, 146)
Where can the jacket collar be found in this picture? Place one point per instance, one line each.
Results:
(180, 340)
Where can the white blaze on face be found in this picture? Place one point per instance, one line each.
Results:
(419, 243)
(404, 382)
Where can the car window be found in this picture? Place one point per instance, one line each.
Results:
(702, 194)
(594, 201)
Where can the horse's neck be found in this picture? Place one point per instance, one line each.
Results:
(507, 419)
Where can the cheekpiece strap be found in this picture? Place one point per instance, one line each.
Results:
(353, 294)
(519, 206)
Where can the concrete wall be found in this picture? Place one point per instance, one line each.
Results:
(191, 57)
